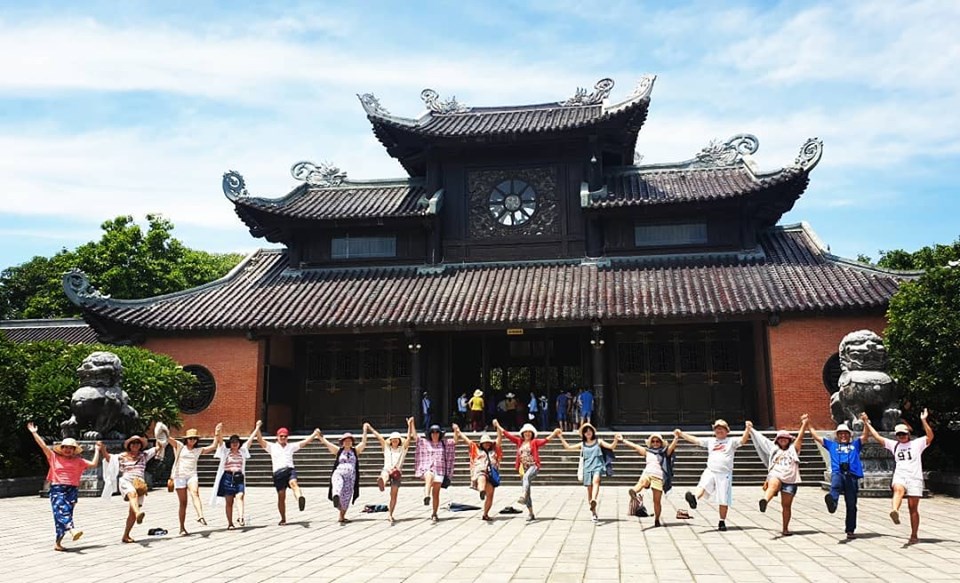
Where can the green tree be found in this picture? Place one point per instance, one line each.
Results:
(39, 378)
(127, 262)
(924, 258)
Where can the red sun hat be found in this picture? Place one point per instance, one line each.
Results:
(283, 431)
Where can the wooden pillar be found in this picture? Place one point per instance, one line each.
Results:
(598, 374)
(761, 375)
(416, 381)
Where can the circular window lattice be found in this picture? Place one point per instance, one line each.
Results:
(200, 398)
(831, 373)
(512, 202)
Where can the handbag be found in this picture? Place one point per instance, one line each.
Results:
(139, 485)
(169, 484)
(446, 479)
(493, 474)
(394, 474)
(580, 466)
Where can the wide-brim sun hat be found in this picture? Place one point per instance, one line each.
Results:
(783, 434)
(510, 395)
(721, 423)
(487, 438)
(585, 426)
(191, 433)
(478, 393)
(528, 427)
(901, 428)
(654, 436)
(843, 427)
(68, 442)
(394, 435)
(132, 438)
(431, 429)
(347, 436)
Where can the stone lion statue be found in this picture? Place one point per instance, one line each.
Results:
(100, 408)
(864, 385)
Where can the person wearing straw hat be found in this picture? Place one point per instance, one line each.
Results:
(476, 411)
(284, 472)
(592, 463)
(782, 458)
(229, 483)
(434, 462)
(66, 466)
(846, 470)
(717, 478)
(395, 448)
(130, 465)
(908, 471)
(344, 485)
(485, 458)
(528, 459)
(657, 470)
(184, 473)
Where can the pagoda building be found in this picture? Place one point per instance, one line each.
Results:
(526, 250)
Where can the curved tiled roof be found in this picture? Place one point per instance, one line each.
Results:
(788, 273)
(72, 331)
(349, 200)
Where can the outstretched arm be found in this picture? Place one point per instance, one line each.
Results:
(411, 433)
(253, 435)
(687, 437)
(804, 425)
(259, 435)
(458, 436)
(634, 446)
(746, 432)
(217, 440)
(673, 444)
(331, 447)
(552, 434)
(368, 427)
(499, 436)
(96, 456)
(926, 426)
(566, 445)
(813, 433)
(311, 437)
(103, 451)
(363, 439)
(47, 452)
(867, 426)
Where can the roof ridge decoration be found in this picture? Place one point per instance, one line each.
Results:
(234, 186)
(810, 153)
(323, 174)
(718, 154)
(601, 91)
(81, 292)
(432, 100)
(371, 104)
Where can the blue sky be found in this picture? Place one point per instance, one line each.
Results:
(111, 108)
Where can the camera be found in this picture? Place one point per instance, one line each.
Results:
(844, 467)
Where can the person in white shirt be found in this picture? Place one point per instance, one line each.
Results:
(782, 458)
(908, 472)
(395, 448)
(284, 473)
(184, 472)
(717, 478)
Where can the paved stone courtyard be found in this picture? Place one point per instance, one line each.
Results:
(561, 546)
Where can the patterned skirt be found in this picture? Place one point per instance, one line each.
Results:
(63, 499)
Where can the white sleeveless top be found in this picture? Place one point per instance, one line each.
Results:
(393, 458)
(187, 462)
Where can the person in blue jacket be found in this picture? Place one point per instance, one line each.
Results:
(586, 406)
(846, 471)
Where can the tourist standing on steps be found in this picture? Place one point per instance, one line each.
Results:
(426, 408)
(434, 463)
(846, 470)
(395, 448)
(782, 458)
(592, 463)
(184, 472)
(284, 472)
(563, 404)
(657, 470)
(717, 478)
(345, 478)
(544, 412)
(476, 411)
(908, 472)
(485, 460)
(130, 465)
(586, 406)
(462, 409)
(66, 467)
(229, 483)
(528, 459)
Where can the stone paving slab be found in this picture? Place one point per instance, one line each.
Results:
(561, 546)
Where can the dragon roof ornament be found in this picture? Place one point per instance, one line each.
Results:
(810, 153)
(432, 100)
(323, 174)
(234, 186)
(601, 91)
(371, 105)
(644, 86)
(78, 289)
(726, 153)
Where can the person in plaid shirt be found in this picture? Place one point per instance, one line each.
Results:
(434, 463)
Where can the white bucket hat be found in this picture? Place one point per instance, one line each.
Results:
(528, 427)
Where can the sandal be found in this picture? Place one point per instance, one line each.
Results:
(434, 518)
(282, 523)
(202, 521)
(127, 539)
(77, 534)
(240, 521)
(683, 515)
(231, 527)
(140, 517)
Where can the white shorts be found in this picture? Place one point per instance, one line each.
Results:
(718, 485)
(913, 486)
(126, 489)
(179, 483)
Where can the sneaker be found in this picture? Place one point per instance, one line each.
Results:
(336, 501)
(595, 519)
(380, 483)
(763, 505)
(691, 500)
(722, 527)
(830, 502)
(531, 518)
(895, 516)
(656, 523)
(851, 536)
(302, 502)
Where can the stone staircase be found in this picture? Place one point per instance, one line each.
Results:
(559, 467)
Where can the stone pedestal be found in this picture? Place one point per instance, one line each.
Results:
(878, 466)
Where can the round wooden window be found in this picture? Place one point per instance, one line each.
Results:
(512, 203)
(203, 393)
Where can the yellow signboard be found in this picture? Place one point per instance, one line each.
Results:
(514, 331)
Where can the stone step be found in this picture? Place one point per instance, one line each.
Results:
(559, 466)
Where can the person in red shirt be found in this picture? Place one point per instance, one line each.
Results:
(528, 458)
(66, 467)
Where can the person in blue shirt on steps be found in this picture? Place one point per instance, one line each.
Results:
(586, 406)
(846, 471)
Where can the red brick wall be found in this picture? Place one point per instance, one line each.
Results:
(798, 349)
(236, 364)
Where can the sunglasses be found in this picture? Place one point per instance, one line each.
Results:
(901, 433)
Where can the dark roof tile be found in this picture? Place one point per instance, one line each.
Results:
(72, 331)
(350, 200)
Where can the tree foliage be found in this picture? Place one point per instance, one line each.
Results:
(127, 262)
(925, 258)
(39, 378)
